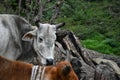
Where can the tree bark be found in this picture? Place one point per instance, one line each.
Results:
(88, 64)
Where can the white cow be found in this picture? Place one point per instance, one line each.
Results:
(18, 39)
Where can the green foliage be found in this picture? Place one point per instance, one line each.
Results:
(96, 23)
(102, 44)
(98, 46)
(96, 42)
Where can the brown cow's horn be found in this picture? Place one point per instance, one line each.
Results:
(60, 25)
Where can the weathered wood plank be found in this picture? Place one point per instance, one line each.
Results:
(82, 58)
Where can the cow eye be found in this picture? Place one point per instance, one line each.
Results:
(40, 39)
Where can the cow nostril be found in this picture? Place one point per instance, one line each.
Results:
(49, 61)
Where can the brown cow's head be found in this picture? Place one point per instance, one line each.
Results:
(62, 71)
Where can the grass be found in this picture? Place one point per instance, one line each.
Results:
(102, 44)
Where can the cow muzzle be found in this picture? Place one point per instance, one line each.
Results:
(49, 61)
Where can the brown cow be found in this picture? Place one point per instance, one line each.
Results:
(16, 70)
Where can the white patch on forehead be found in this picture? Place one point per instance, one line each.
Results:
(47, 30)
(45, 27)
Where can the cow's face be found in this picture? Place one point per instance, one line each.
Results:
(62, 71)
(43, 42)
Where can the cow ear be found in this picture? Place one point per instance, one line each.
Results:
(66, 70)
(29, 35)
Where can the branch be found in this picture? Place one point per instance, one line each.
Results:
(19, 6)
(52, 7)
(56, 12)
(40, 12)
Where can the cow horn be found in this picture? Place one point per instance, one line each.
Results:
(37, 23)
(60, 25)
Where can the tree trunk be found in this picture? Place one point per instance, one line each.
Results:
(88, 64)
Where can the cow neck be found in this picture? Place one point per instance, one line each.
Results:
(37, 73)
